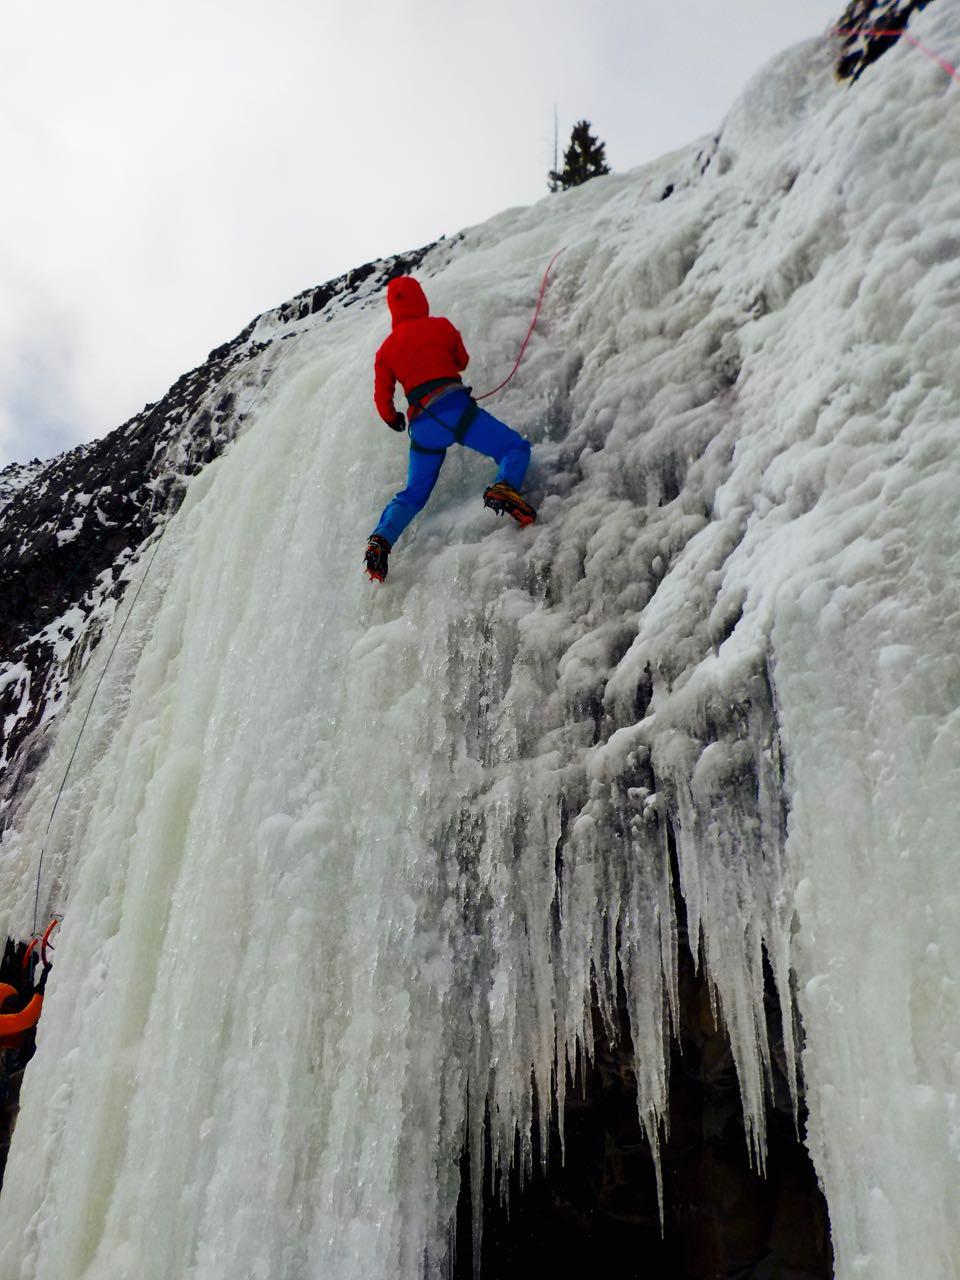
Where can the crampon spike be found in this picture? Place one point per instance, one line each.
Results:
(504, 500)
(375, 558)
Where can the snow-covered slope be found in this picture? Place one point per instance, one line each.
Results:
(336, 863)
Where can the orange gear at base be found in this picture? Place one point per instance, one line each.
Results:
(13, 1026)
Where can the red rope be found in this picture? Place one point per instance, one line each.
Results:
(533, 323)
(873, 31)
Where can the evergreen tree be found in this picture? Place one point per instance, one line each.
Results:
(582, 160)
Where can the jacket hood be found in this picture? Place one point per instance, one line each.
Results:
(406, 300)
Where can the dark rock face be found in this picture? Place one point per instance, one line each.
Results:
(596, 1212)
(70, 528)
(861, 20)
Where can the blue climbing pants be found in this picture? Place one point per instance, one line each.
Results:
(433, 429)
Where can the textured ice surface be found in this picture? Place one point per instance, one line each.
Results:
(338, 862)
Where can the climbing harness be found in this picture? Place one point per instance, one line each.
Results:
(66, 773)
(462, 424)
(902, 34)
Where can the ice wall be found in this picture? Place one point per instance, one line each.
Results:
(337, 863)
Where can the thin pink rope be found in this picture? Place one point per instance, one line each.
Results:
(533, 323)
(872, 31)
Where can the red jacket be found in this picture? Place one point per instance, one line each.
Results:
(420, 348)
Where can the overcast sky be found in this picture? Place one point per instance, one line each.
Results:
(171, 170)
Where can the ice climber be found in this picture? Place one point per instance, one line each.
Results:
(426, 355)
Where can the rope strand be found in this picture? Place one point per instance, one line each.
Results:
(106, 665)
(523, 346)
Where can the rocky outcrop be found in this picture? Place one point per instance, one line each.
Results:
(869, 28)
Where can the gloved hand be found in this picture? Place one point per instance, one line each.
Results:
(399, 423)
(42, 984)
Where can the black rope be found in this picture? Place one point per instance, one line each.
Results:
(106, 665)
(76, 745)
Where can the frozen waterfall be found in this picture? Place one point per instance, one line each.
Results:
(337, 864)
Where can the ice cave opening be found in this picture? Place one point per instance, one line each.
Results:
(592, 1204)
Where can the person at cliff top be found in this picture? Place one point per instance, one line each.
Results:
(426, 355)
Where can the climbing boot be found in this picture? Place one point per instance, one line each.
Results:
(375, 557)
(502, 497)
